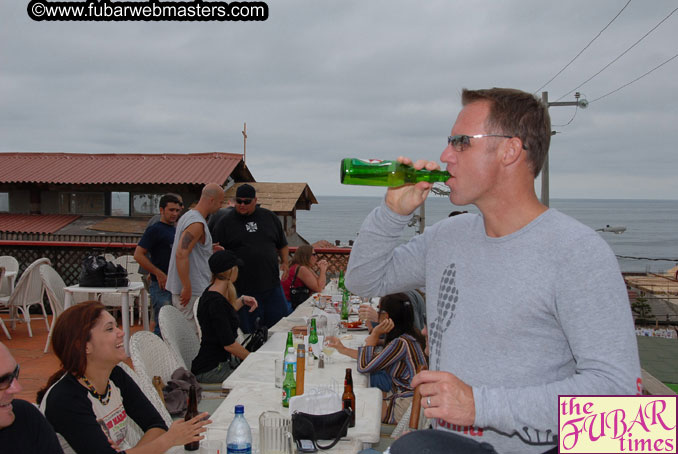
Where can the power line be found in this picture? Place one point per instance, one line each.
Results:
(576, 109)
(585, 47)
(634, 80)
(620, 55)
(647, 258)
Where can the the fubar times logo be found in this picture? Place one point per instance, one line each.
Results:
(617, 424)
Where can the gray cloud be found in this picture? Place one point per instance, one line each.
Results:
(320, 81)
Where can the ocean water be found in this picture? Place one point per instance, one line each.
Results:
(651, 225)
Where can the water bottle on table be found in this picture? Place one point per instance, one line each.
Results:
(239, 438)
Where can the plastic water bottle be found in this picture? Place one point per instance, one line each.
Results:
(291, 358)
(239, 438)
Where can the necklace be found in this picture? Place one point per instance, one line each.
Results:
(103, 398)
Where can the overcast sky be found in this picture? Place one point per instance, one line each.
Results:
(323, 80)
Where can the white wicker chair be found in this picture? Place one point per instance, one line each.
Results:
(149, 390)
(28, 292)
(195, 317)
(151, 356)
(180, 335)
(54, 287)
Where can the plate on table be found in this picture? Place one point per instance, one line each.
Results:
(354, 326)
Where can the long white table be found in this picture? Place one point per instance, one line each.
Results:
(124, 292)
(252, 385)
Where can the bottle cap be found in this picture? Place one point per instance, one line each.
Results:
(239, 409)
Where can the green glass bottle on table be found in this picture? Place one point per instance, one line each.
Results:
(289, 386)
(375, 172)
(340, 284)
(313, 335)
(344, 304)
(290, 343)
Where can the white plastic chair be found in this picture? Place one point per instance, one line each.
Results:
(149, 390)
(115, 299)
(2, 322)
(179, 334)
(28, 292)
(128, 262)
(9, 263)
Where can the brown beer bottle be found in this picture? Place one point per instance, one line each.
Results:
(192, 412)
(348, 398)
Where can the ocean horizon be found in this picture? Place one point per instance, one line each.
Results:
(649, 243)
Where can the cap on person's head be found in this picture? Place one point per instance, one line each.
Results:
(246, 190)
(222, 261)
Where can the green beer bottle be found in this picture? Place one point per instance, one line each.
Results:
(289, 386)
(341, 284)
(313, 335)
(375, 172)
(290, 342)
(344, 305)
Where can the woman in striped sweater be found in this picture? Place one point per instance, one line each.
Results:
(402, 355)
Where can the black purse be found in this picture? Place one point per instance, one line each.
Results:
(298, 294)
(92, 271)
(332, 426)
(252, 342)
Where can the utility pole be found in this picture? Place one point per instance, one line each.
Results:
(583, 103)
(244, 144)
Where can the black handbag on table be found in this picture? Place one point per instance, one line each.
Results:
(298, 294)
(97, 272)
(332, 426)
(252, 342)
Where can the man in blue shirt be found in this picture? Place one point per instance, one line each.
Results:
(157, 240)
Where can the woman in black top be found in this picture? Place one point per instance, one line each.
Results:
(218, 318)
(90, 400)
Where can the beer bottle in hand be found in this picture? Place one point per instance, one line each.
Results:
(192, 412)
(348, 398)
(375, 172)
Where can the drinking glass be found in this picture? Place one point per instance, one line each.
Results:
(275, 433)
(278, 372)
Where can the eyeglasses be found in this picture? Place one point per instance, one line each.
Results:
(243, 201)
(461, 141)
(7, 379)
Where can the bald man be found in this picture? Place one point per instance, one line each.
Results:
(189, 273)
(22, 427)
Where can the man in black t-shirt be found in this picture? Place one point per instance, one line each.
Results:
(257, 237)
(22, 427)
(158, 239)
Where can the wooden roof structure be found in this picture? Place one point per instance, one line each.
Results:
(281, 198)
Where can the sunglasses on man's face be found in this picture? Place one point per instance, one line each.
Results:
(462, 141)
(243, 201)
(7, 379)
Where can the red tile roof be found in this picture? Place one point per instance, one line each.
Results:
(80, 168)
(34, 223)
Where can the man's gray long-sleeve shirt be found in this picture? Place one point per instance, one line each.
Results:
(521, 318)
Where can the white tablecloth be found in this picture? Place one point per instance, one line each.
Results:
(258, 369)
(258, 398)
